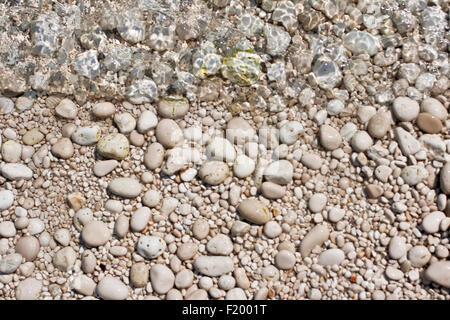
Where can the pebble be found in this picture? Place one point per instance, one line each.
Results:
(103, 110)
(112, 288)
(139, 219)
(63, 148)
(6, 105)
(331, 257)
(151, 198)
(154, 156)
(291, 132)
(272, 229)
(113, 146)
(102, 168)
(162, 278)
(361, 141)
(445, 178)
(284, 260)
(226, 282)
(82, 217)
(10, 263)
(86, 136)
(239, 131)
(336, 214)
(379, 125)
(169, 134)
(199, 294)
(374, 191)
(35, 226)
(239, 228)
(150, 247)
(187, 251)
(11, 151)
(243, 166)
(184, 279)
(412, 175)
(439, 272)
(317, 202)
(88, 261)
(16, 171)
(236, 294)
(125, 122)
(397, 248)
(214, 172)
(139, 274)
(315, 237)
(429, 123)
(393, 273)
(311, 161)
(6, 199)
(95, 234)
(200, 229)
(220, 245)
(432, 221)
(383, 173)
(84, 285)
(272, 190)
(213, 266)
(66, 109)
(7, 229)
(279, 172)
(147, 121)
(434, 107)
(268, 137)
(32, 137)
(254, 211)
(64, 259)
(62, 236)
(419, 256)
(405, 109)
(330, 138)
(125, 187)
(173, 107)
(29, 289)
(28, 247)
(220, 149)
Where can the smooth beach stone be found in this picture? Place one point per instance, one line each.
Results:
(272, 229)
(412, 175)
(32, 137)
(7, 229)
(64, 259)
(173, 107)
(161, 278)
(66, 109)
(169, 134)
(374, 191)
(407, 143)
(16, 171)
(150, 247)
(6, 199)
(317, 202)
(84, 285)
(10, 263)
(429, 123)
(103, 110)
(198, 294)
(397, 248)
(88, 261)
(113, 146)
(254, 211)
(11, 151)
(63, 148)
(95, 233)
(439, 272)
(290, 132)
(360, 42)
(331, 256)
(154, 156)
(28, 247)
(240, 228)
(102, 168)
(187, 251)
(125, 187)
(82, 217)
(29, 289)
(419, 256)
(284, 260)
(361, 141)
(35, 226)
(272, 190)
(239, 131)
(243, 166)
(405, 109)
(62, 236)
(214, 172)
(213, 266)
(125, 122)
(268, 137)
(311, 161)
(151, 198)
(393, 273)
(220, 149)
(315, 237)
(444, 178)
(379, 125)
(184, 279)
(139, 274)
(139, 219)
(112, 288)
(220, 245)
(147, 121)
(200, 229)
(235, 294)
(279, 172)
(86, 136)
(330, 138)
(434, 107)
(432, 221)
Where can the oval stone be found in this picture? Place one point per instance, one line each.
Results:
(316, 237)
(279, 172)
(162, 278)
(329, 137)
(213, 266)
(169, 134)
(445, 178)
(111, 288)
(86, 136)
(95, 234)
(214, 172)
(331, 256)
(113, 146)
(429, 123)
(125, 187)
(439, 272)
(254, 211)
(173, 107)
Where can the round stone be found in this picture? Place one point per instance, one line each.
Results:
(254, 211)
(279, 172)
(379, 125)
(405, 109)
(112, 288)
(150, 247)
(331, 257)
(336, 214)
(162, 278)
(113, 146)
(7, 229)
(139, 219)
(187, 251)
(226, 282)
(125, 187)
(184, 279)
(151, 198)
(429, 123)
(66, 109)
(439, 273)
(361, 141)
(11, 151)
(220, 149)
(154, 156)
(419, 256)
(32, 137)
(397, 248)
(272, 190)
(65, 259)
(329, 137)
(95, 233)
(125, 122)
(10, 263)
(311, 161)
(169, 134)
(63, 148)
(86, 136)
(213, 266)
(62, 236)
(103, 110)
(147, 121)
(139, 274)
(200, 229)
(29, 289)
(412, 175)
(28, 247)
(220, 245)
(432, 221)
(272, 229)
(284, 260)
(173, 107)
(434, 107)
(317, 202)
(214, 172)
(121, 226)
(239, 131)
(84, 285)
(243, 166)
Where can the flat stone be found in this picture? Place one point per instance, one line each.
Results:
(187, 251)
(154, 156)
(139, 274)
(397, 248)
(86, 136)
(112, 288)
(429, 123)
(254, 211)
(393, 273)
(28, 247)
(95, 233)
(331, 257)
(213, 266)
(311, 161)
(439, 272)
(10, 263)
(63, 148)
(32, 137)
(434, 107)
(139, 219)
(173, 107)
(102, 168)
(125, 187)
(103, 110)
(84, 285)
(16, 171)
(11, 151)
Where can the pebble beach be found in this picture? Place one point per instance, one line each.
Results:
(224, 150)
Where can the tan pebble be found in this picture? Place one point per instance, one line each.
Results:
(200, 229)
(254, 211)
(374, 191)
(88, 261)
(76, 200)
(121, 226)
(284, 260)
(330, 138)
(95, 234)
(63, 148)
(28, 289)
(66, 109)
(169, 134)
(318, 235)
(32, 137)
(429, 123)
(198, 294)
(84, 285)
(139, 274)
(445, 179)
(187, 251)
(103, 110)
(64, 259)
(272, 190)
(28, 247)
(154, 156)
